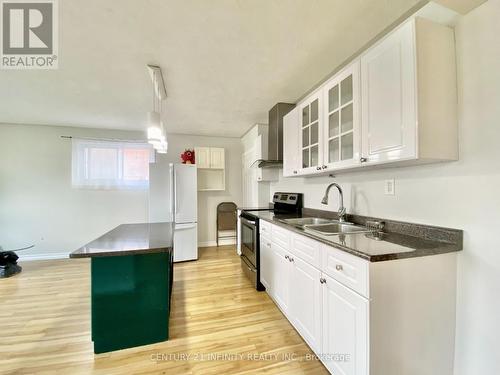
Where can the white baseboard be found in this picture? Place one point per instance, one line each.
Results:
(48, 256)
(222, 242)
(207, 244)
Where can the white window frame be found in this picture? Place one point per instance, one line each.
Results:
(80, 163)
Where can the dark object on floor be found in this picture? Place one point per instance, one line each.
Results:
(226, 220)
(8, 264)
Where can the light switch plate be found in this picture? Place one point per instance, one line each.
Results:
(389, 187)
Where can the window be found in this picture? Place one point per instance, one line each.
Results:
(111, 165)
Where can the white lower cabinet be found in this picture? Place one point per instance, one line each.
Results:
(361, 317)
(266, 258)
(330, 317)
(280, 276)
(305, 301)
(345, 329)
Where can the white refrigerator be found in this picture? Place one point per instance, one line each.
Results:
(173, 197)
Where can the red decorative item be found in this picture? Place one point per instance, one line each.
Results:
(187, 156)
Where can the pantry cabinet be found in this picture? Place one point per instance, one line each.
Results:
(394, 104)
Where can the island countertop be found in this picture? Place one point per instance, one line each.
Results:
(130, 239)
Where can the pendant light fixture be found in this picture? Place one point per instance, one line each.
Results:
(155, 129)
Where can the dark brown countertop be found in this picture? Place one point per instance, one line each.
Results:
(130, 239)
(385, 246)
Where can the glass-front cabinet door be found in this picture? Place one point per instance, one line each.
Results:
(310, 134)
(342, 129)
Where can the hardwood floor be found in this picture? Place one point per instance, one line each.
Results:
(217, 319)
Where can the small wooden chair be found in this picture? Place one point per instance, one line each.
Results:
(226, 220)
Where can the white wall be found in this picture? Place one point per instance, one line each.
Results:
(37, 203)
(39, 206)
(208, 200)
(463, 194)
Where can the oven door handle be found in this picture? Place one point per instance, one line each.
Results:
(246, 221)
(250, 268)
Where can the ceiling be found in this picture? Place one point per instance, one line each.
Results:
(225, 62)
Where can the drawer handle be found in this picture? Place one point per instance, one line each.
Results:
(339, 267)
(287, 257)
(291, 259)
(322, 280)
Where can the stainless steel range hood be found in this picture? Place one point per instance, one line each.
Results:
(275, 140)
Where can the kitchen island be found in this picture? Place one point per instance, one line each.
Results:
(131, 285)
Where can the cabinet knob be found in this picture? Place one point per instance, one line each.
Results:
(268, 244)
(322, 280)
(324, 167)
(318, 168)
(363, 160)
(287, 257)
(339, 267)
(294, 172)
(291, 259)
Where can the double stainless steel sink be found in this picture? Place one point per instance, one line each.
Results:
(326, 226)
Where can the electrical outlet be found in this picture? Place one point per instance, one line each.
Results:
(389, 187)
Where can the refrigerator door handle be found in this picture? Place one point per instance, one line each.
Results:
(175, 195)
(171, 193)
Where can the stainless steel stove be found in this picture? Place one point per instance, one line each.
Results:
(283, 203)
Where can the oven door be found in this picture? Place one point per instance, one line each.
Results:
(249, 240)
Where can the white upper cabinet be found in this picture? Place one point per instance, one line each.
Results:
(202, 157)
(290, 143)
(388, 87)
(217, 158)
(310, 134)
(397, 102)
(210, 162)
(408, 86)
(342, 119)
(209, 157)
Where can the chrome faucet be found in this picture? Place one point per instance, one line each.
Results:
(342, 209)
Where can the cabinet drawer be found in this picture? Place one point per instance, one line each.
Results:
(280, 236)
(307, 249)
(347, 269)
(265, 228)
